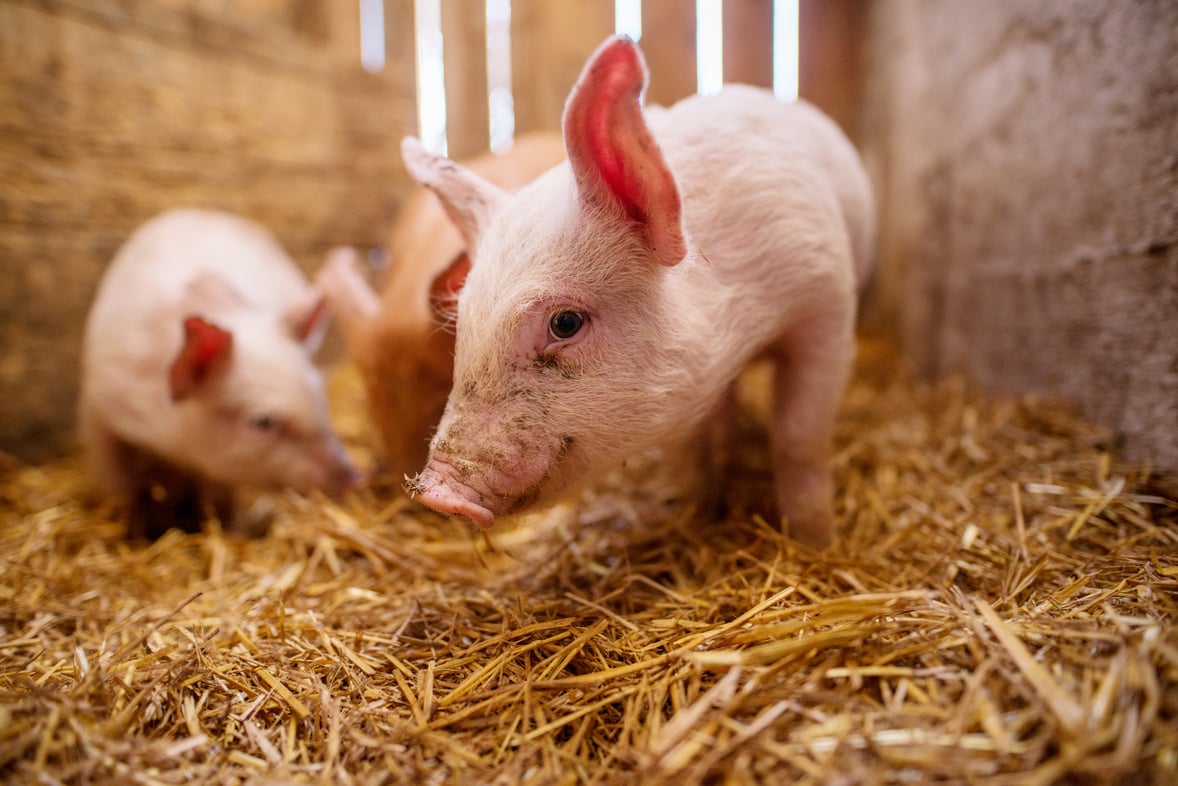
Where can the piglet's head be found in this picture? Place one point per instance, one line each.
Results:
(566, 349)
(252, 405)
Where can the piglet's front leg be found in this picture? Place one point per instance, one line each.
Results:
(812, 367)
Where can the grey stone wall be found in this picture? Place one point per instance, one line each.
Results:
(1027, 154)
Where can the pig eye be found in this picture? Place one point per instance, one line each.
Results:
(565, 324)
(265, 423)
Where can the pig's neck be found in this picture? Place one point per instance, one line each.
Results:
(721, 327)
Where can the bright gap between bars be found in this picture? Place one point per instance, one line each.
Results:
(431, 83)
(372, 35)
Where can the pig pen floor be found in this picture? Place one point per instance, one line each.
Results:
(1000, 609)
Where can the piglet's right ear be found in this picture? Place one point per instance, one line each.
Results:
(206, 348)
(613, 155)
(468, 199)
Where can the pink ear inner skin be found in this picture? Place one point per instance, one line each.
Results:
(204, 344)
(443, 293)
(307, 326)
(607, 138)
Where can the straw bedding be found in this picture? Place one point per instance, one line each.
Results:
(1000, 609)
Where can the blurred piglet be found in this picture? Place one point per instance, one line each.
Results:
(197, 377)
(612, 303)
(402, 340)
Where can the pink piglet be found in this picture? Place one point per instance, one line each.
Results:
(611, 304)
(197, 378)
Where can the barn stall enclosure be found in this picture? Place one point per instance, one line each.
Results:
(1000, 607)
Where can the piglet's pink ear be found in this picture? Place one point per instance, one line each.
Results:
(308, 319)
(469, 200)
(206, 348)
(443, 292)
(614, 158)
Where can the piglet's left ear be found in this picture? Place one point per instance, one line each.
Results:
(308, 319)
(468, 199)
(206, 349)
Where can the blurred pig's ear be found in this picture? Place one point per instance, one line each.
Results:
(308, 319)
(443, 292)
(209, 292)
(206, 349)
(469, 200)
(615, 160)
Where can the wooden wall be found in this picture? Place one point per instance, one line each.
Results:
(831, 58)
(551, 40)
(114, 110)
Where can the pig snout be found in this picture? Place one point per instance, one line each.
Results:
(438, 487)
(332, 471)
(482, 488)
(342, 478)
(489, 460)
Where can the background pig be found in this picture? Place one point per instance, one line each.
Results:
(402, 341)
(196, 372)
(612, 303)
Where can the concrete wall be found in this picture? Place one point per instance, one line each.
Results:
(1028, 159)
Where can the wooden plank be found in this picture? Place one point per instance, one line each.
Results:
(830, 64)
(748, 42)
(464, 47)
(185, 25)
(400, 42)
(549, 44)
(668, 41)
(332, 27)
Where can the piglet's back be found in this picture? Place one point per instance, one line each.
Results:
(726, 149)
(162, 257)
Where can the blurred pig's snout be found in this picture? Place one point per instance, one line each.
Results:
(340, 475)
(344, 479)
